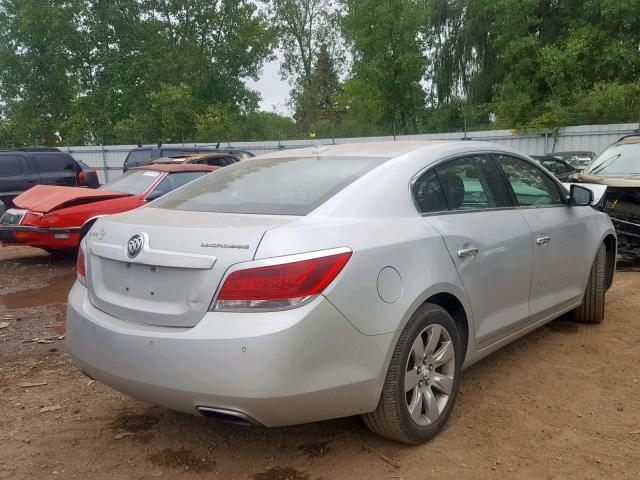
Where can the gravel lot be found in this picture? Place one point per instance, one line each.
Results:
(563, 403)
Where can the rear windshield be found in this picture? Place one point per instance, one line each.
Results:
(134, 182)
(623, 158)
(284, 186)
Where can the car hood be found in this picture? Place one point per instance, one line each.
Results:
(627, 180)
(46, 198)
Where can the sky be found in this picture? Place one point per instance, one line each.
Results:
(274, 91)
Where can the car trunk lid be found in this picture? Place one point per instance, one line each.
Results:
(182, 259)
(46, 198)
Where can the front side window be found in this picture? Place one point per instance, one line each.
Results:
(271, 186)
(134, 182)
(531, 186)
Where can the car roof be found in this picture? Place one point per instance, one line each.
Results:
(389, 149)
(177, 167)
(31, 149)
(366, 149)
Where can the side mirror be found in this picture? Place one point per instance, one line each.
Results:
(580, 196)
(156, 194)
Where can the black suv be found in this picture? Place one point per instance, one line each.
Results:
(21, 169)
(141, 155)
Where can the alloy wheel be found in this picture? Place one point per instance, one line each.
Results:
(429, 373)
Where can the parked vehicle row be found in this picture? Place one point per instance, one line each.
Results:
(142, 155)
(57, 218)
(325, 282)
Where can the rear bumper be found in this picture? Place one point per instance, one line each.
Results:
(284, 368)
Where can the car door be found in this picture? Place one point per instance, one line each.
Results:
(489, 242)
(559, 235)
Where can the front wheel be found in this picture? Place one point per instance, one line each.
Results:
(422, 381)
(592, 308)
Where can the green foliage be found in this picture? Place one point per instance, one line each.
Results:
(123, 71)
(217, 124)
(317, 99)
(388, 51)
(119, 70)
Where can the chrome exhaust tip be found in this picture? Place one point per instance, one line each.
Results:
(228, 416)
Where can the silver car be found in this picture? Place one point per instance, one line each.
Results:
(332, 281)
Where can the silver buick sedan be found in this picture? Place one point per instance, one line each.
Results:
(333, 281)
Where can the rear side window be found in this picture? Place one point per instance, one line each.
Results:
(51, 162)
(9, 165)
(428, 193)
(136, 157)
(531, 186)
(284, 186)
(472, 183)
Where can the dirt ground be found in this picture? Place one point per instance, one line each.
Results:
(561, 403)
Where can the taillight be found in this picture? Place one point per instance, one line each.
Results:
(278, 287)
(81, 267)
(82, 178)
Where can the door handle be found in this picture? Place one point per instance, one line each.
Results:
(467, 252)
(543, 240)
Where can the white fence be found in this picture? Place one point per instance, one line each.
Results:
(108, 160)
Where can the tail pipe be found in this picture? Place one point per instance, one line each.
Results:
(229, 416)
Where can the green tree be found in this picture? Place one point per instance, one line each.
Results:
(389, 56)
(302, 26)
(216, 124)
(317, 100)
(39, 66)
(102, 70)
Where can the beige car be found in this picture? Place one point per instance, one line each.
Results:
(618, 167)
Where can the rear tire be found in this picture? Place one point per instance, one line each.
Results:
(592, 308)
(418, 396)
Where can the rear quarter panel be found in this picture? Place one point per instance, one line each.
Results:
(408, 244)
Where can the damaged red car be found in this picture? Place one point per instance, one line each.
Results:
(57, 218)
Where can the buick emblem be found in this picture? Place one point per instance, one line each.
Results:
(134, 245)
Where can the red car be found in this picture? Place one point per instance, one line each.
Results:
(56, 218)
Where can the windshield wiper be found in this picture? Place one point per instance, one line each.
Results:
(604, 164)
